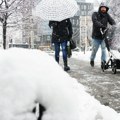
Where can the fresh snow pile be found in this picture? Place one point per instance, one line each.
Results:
(29, 76)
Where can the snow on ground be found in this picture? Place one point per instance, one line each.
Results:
(86, 56)
(29, 76)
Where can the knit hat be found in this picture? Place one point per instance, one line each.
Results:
(103, 4)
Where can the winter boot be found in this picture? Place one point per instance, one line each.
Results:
(66, 67)
(103, 65)
(57, 60)
(92, 63)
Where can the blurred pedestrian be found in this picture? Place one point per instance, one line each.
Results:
(61, 34)
(100, 21)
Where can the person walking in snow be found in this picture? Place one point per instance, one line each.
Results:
(61, 34)
(100, 21)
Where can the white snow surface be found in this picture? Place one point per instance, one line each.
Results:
(29, 76)
(86, 56)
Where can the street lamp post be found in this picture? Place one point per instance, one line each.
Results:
(80, 34)
(32, 34)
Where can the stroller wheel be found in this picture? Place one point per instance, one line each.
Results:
(114, 70)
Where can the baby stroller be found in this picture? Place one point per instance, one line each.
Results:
(113, 62)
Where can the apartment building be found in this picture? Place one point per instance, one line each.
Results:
(82, 24)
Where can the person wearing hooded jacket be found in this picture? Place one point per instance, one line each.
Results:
(61, 34)
(100, 21)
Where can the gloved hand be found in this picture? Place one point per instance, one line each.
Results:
(103, 27)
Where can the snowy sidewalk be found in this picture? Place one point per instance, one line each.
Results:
(104, 86)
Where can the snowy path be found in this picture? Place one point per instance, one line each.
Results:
(105, 86)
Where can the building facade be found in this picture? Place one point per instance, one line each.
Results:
(82, 24)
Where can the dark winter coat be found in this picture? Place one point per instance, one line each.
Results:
(100, 20)
(61, 30)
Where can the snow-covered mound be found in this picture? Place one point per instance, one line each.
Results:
(29, 76)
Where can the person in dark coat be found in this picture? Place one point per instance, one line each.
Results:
(100, 21)
(61, 34)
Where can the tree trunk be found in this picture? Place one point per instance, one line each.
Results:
(4, 34)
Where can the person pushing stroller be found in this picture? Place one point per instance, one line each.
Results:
(100, 21)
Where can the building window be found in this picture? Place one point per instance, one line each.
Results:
(76, 22)
(83, 13)
(85, 7)
(88, 7)
(82, 7)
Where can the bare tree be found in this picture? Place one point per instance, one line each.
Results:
(13, 13)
